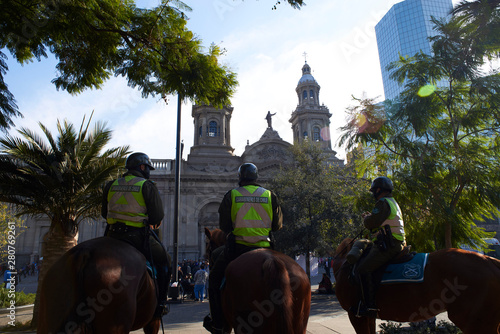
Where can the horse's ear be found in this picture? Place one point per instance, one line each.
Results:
(208, 233)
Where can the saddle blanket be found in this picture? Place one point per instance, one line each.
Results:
(406, 272)
(151, 269)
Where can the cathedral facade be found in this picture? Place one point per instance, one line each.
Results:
(209, 171)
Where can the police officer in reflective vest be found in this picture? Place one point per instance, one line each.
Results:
(132, 206)
(385, 223)
(247, 214)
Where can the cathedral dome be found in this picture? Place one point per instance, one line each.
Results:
(306, 74)
(306, 78)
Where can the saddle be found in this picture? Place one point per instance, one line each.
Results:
(404, 256)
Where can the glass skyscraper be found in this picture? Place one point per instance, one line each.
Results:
(405, 30)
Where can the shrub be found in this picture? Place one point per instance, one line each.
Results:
(21, 298)
(442, 327)
(18, 326)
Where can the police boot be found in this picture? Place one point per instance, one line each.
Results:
(368, 308)
(214, 323)
(162, 280)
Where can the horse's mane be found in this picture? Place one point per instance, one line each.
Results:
(344, 248)
(216, 238)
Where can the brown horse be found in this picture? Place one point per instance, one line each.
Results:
(465, 284)
(99, 286)
(265, 292)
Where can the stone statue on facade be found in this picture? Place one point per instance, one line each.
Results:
(269, 120)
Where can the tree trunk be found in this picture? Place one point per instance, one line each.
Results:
(308, 266)
(55, 244)
(448, 235)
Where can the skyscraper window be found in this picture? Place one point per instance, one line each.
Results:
(405, 30)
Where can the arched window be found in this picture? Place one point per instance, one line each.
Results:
(304, 94)
(305, 135)
(212, 129)
(316, 134)
(311, 94)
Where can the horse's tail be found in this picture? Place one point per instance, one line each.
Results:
(280, 292)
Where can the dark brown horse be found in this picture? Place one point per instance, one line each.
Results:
(265, 292)
(465, 284)
(98, 286)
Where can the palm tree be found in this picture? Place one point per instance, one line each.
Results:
(60, 178)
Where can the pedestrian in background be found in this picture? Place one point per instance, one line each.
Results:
(6, 278)
(200, 279)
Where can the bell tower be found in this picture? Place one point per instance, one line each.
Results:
(310, 120)
(212, 134)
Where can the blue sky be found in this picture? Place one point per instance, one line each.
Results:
(264, 47)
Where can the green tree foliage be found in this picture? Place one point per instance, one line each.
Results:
(297, 4)
(11, 227)
(94, 39)
(438, 140)
(483, 19)
(60, 178)
(318, 203)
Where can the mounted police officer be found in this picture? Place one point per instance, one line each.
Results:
(247, 214)
(385, 223)
(132, 206)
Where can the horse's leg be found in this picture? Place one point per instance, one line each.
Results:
(477, 312)
(372, 324)
(483, 326)
(227, 329)
(153, 327)
(362, 325)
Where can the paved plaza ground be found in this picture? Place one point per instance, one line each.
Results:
(326, 317)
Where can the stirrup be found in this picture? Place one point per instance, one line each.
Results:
(361, 310)
(370, 312)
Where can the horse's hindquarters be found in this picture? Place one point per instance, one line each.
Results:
(101, 285)
(266, 292)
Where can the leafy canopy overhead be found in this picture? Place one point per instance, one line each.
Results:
(95, 39)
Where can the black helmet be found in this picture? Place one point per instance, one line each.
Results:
(136, 159)
(382, 182)
(248, 172)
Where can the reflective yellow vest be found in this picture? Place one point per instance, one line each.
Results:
(395, 219)
(126, 203)
(252, 215)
